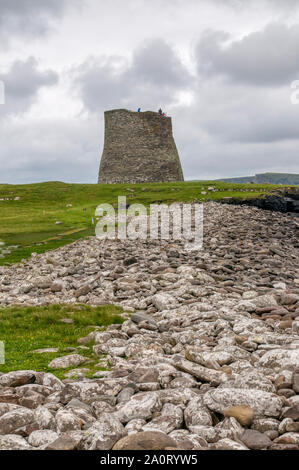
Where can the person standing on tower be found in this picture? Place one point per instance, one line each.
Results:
(160, 112)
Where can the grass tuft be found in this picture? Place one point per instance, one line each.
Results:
(25, 329)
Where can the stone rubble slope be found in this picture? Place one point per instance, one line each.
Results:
(208, 357)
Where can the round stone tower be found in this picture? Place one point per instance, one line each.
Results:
(139, 148)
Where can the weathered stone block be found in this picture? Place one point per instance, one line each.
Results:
(139, 148)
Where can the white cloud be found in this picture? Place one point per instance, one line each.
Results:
(228, 92)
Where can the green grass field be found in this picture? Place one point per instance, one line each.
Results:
(28, 216)
(24, 330)
(28, 213)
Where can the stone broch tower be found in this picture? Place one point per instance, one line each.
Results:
(139, 148)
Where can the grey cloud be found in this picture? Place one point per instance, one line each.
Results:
(238, 123)
(264, 58)
(100, 84)
(22, 83)
(30, 17)
(149, 80)
(208, 155)
(243, 114)
(210, 161)
(156, 63)
(280, 5)
(44, 150)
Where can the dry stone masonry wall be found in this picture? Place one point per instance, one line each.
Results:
(139, 148)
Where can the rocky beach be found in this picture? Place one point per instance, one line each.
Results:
(206, 359)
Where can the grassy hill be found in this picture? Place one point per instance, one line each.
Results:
(29, 213)
(266, 178)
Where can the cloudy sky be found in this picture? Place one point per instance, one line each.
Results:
(221, 68)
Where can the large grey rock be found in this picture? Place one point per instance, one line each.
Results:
(17, 378)
(165, 424)
(263, 403)
(229, 444)
(265, 424)
(67, 361)
(13, 420)
(49, 380)
(249, 380)
(229, 428)
(46, 350)
(140, 317)
(264, 300)
(255, 440)
(188, 441)
(212, 359)
(89, 391)
(140, 406)
(202, 373)
(197, 413)
(209, 433)
(103, 434)
(288, 438)
(42, 438)
(134, 426)
(6, 407)
(66, 441)
(66, 420)
(164, 301)
(171, 418)
(289, 299)
(13, 442)
(44, 418)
